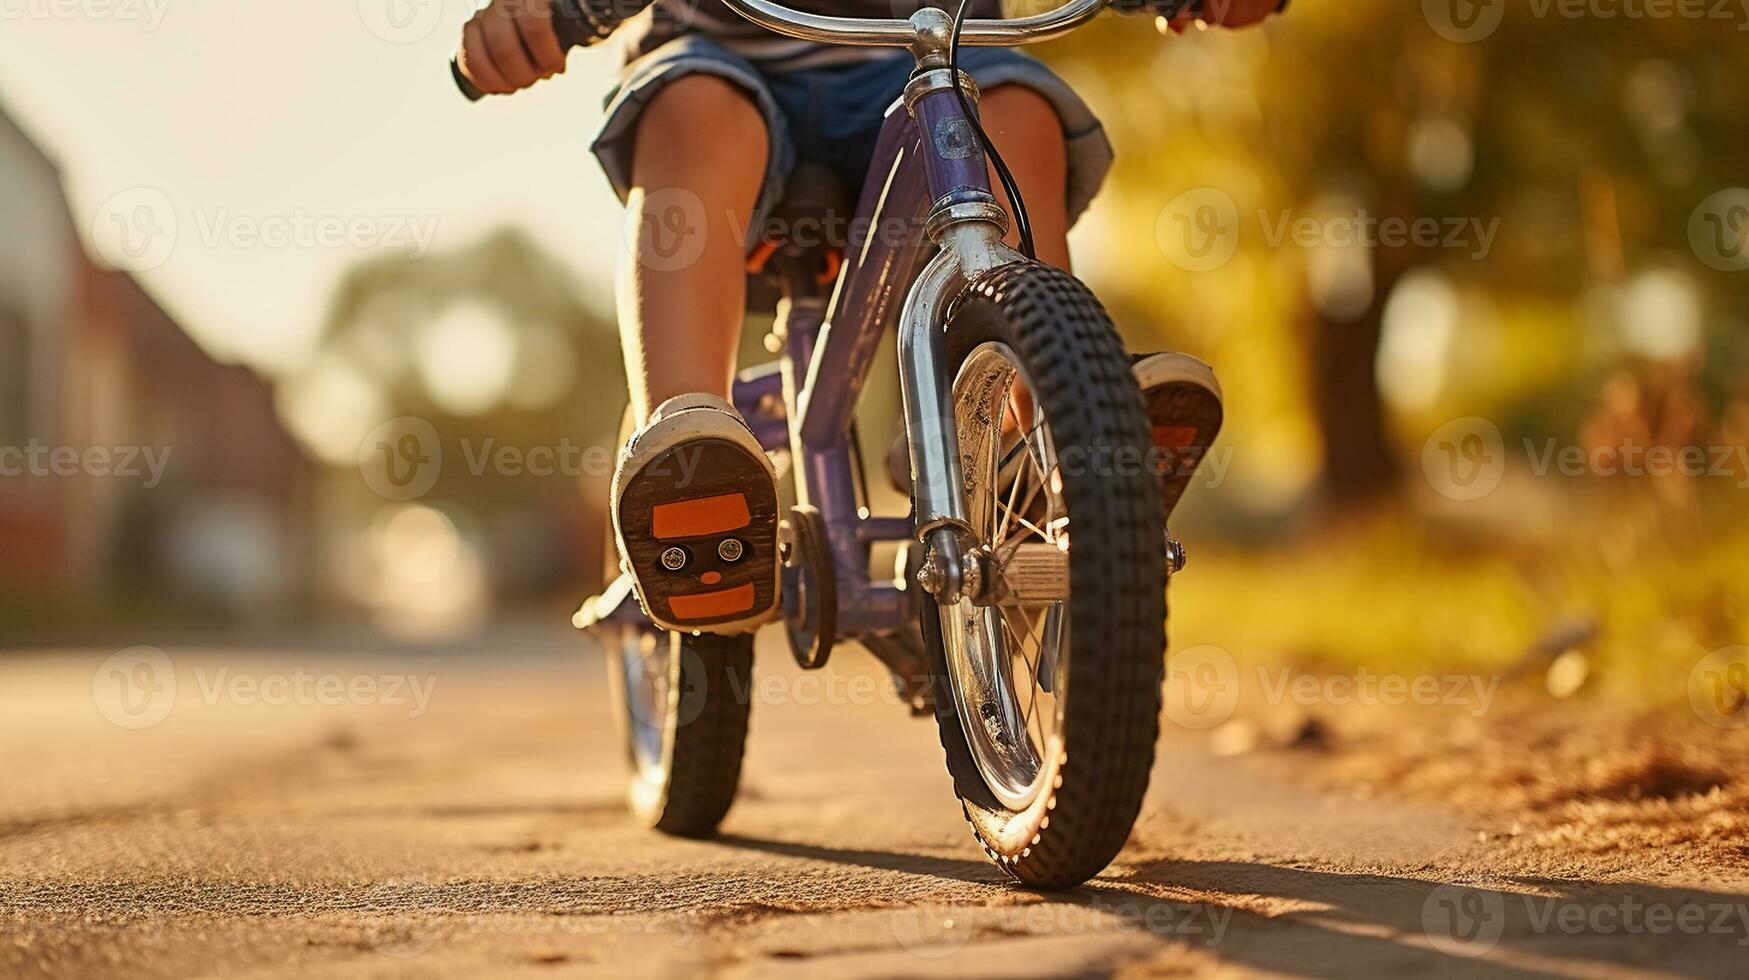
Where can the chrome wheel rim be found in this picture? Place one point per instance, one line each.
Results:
(1008, 664)
(644, 672)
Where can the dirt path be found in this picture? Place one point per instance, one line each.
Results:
(479, 832)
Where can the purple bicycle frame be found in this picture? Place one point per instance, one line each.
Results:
(830, 348)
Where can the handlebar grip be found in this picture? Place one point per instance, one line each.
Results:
(462, 82)
(574, 28)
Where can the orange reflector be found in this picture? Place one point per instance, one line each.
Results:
(1174, 436)
(709, 605)
(695, 518)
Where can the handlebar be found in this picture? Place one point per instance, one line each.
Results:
(901, 33)
(574, 29)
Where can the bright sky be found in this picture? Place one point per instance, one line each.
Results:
(283, 140)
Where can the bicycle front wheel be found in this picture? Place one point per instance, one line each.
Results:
(1051, 728)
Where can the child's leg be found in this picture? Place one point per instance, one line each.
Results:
(1183, 398)
(700, 141)
(694, 497)
(1027, 132)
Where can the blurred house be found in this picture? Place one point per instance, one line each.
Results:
(184, 479)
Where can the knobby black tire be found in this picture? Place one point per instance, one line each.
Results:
(1117, 604)
(704, 730)
(704, 734)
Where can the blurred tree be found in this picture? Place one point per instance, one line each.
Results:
(1590, 144)
(521, 380)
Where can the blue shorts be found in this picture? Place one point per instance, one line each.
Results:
(832, 115)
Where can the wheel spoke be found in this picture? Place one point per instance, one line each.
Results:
(998, 410)
(1031, 665)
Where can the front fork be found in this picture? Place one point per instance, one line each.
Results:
(968, 225)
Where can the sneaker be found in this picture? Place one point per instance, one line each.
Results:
(1183, 400)
(695, 515)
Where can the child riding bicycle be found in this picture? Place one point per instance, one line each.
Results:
(720, 112)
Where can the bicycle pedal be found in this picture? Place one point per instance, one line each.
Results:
(1176, 557)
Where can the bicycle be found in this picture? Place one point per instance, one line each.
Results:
(1014, 384)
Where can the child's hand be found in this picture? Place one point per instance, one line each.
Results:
(509, 45)
(1225, 13)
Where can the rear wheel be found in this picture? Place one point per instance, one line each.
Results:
(1050, 730)
(683, 703)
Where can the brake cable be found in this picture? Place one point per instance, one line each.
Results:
(1021, 221)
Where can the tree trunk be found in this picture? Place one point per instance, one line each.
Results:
(1359, 465)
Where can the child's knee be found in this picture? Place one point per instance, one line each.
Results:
(1021, 113)
(702, 109)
